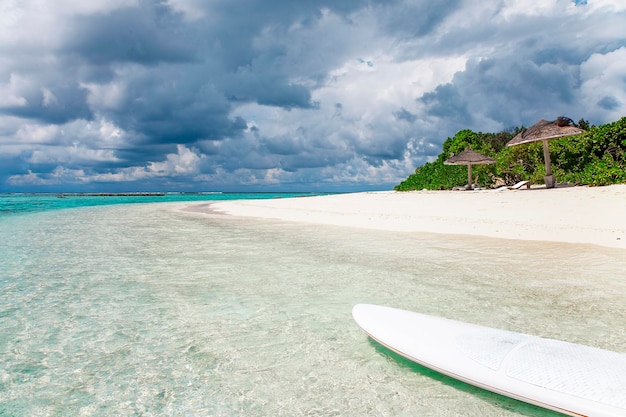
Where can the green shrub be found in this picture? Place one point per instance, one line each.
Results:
(437, 176)
(597, 157)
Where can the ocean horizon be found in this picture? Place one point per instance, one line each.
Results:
(108, 307)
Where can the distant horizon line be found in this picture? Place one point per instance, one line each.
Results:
(162, 193)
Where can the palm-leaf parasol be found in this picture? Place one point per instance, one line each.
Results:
(469, 157)
(543, 131)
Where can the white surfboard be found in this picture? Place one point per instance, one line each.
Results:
(565, 377)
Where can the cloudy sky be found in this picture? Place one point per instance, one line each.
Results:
(266, 95)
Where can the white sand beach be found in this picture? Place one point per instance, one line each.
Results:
(593, 215)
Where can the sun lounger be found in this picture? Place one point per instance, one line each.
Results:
(520, 185)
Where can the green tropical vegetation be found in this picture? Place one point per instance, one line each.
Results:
(596, 157)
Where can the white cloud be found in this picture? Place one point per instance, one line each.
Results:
(513, 9)
(604, 85)
(183, 163)
(49, 99)
(37, 134)
(30, 178)
(608, 6)
(104, 97)
(60, 175)
(12, 92)
(75, 154)
(192, 9)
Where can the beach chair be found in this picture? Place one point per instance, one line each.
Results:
(520, 185)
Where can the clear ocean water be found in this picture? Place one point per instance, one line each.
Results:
(144, 310)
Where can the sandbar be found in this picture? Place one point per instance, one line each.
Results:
(580, 214)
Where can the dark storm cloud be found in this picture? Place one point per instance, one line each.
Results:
(558, 54)
(298, 150)
(164, 107)
(147, 34)
(266, 89)
(504, 89)
(381, 148)
(416, 18)
(609, 103)
(447, 102)
(404, 114)
(64, 101)
(225, 92)
(173, 103)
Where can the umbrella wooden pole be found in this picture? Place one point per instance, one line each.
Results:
(469, 176)
(549, 178)
(546, 157)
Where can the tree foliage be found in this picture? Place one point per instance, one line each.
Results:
(597, 157)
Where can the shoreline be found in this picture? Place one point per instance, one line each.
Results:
(587, 215)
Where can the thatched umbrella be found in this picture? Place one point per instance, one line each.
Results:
(469, 157)
(544, 131)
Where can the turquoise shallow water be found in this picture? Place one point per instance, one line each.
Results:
(23, 203)
(144, 310)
